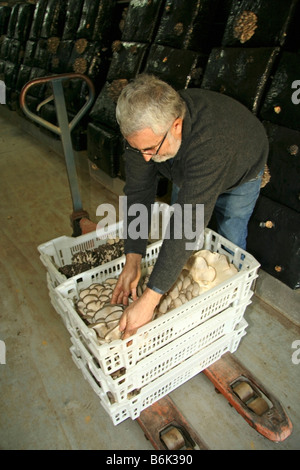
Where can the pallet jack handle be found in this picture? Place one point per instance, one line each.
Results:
(63, 129)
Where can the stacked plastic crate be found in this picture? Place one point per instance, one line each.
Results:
(61, 253)
(58, 253)
(129, 375)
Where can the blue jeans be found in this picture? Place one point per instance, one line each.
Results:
(233, 210)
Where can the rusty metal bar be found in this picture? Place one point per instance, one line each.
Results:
(53, 79)
(64, 127)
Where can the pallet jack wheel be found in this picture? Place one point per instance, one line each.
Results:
(244, 391)
(259, 406)
(167, 429)
(173, 439)
(250, 398)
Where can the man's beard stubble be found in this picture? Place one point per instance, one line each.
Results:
(175, 145)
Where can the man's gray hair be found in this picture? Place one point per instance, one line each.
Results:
(148, 102)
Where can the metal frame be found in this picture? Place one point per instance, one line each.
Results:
(64, 127)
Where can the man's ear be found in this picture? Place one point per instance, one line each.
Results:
(177, 127)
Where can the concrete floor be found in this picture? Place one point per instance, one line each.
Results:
(45, 401)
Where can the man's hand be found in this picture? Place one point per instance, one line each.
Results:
(128, 280)
(139, 312)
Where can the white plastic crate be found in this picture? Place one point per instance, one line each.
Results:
(156, 334)
(165, 384)
(55, 304)
(57, 253)
(125, 383)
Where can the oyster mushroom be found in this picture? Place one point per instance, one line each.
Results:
(99, 288)
(104, 298)
(200, 270)
(89, 298)
(98, 316)
(163, 306)
(174, 293)
(100, 328)
(114, 315)
(83, 293)
(110, 281)
(81, 307)
(112, 324)
(179, 284)
(94, 291)
(186, 282)
(177, 302)
(107, 292)
(89, 317)
(188, 295)
(113, 334)
(196, 290)
(94, 305)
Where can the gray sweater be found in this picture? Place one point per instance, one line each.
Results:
(223, 146)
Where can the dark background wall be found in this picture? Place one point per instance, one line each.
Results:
(248, 49)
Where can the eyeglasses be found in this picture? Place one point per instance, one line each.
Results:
(128, 147)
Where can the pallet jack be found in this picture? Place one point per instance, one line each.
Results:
(63, 130)
(166, 427)
(162, 423)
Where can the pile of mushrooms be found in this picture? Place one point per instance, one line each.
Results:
(209, 269)
(183, 290)
(244, 26)
(203, 270)
(95, 309)
(85, 260)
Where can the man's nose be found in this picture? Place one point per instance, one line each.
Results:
(146, 157)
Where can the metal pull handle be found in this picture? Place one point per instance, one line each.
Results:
(64, 127)
(56, 81)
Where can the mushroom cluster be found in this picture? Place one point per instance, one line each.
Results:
(95, 309)
(183, 290)
(85, 260)
(144, 281)
(203, 270)
(209, 269)
(245, 26)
